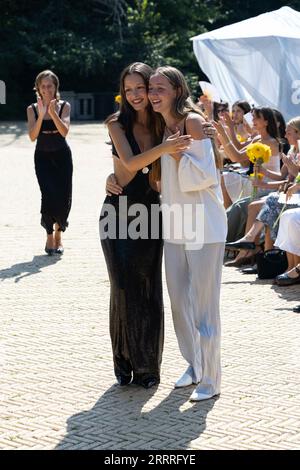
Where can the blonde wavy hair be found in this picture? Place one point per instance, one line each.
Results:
(295, 124)
(183, 103)
(53, 77)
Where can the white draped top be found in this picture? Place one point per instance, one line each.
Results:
(191, 192)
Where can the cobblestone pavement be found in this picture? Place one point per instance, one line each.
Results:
(57, 385)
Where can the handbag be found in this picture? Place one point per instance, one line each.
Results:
(271, 263)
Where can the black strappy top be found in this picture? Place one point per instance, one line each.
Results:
(139, 186)
(49, 138)
(134, 147)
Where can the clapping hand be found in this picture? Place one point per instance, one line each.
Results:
(208, 130)
(292, 167)
(52, 107)
(227, 120)
(220, 129)
(41, 107)
(292, 190)
(207, 105)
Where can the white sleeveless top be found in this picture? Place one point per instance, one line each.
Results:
(273, 164)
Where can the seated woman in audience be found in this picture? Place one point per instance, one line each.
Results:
(288, 239)
(235, 181)
(271, 208)
(265, 124)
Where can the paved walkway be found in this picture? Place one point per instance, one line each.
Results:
(57, 385)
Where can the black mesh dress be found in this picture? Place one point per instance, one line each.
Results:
(134, 268)
(54, 168)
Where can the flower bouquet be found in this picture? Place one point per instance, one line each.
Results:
(258, 154)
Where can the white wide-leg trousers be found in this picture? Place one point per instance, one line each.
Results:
(194, 281)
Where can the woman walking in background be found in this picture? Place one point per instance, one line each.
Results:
(48, 124)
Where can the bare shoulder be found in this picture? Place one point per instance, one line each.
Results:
(194, 123)
(114, 126)
(274, 145)
(66, 106)
(30, 113)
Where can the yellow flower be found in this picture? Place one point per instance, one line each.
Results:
(240, 138)
(259, 176)
(258, 153)
(118, 99)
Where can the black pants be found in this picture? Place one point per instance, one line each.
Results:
(54, 173)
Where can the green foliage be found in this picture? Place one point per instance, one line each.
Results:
(88, 43)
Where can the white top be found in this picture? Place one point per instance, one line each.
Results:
(191, 191)
(273, 164)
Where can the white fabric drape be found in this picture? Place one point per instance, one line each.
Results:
(256, 59)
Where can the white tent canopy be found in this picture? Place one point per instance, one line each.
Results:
(256, 59)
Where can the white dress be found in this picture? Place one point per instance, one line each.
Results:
(288, 238)
(239, 185)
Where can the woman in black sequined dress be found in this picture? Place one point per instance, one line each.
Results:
(134, 264)
(48, 124)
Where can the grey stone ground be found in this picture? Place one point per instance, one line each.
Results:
(57, 384)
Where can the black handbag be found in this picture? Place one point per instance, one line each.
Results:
(271, 263)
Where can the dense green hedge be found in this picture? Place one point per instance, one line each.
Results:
(88, 43)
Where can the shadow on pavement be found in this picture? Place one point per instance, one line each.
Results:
(21, 270)
(13, 129)
(118, 421)
(289, 293)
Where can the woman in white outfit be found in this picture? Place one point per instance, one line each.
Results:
(288, 239)
(191, 181)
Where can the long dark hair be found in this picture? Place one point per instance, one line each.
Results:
(268, 115)
(127, 116)
(244, 105)
(284, 145)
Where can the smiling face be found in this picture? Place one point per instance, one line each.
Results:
(292, 135)
(47, 89)
(136, 91)
(259, 123)
(161, 93)
(237, 115)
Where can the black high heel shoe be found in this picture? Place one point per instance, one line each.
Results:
(150, 382)
(240, 245)
(49, 251)
(123, 379)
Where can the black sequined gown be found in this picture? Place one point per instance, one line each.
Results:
(54, 168)
(134, 268)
